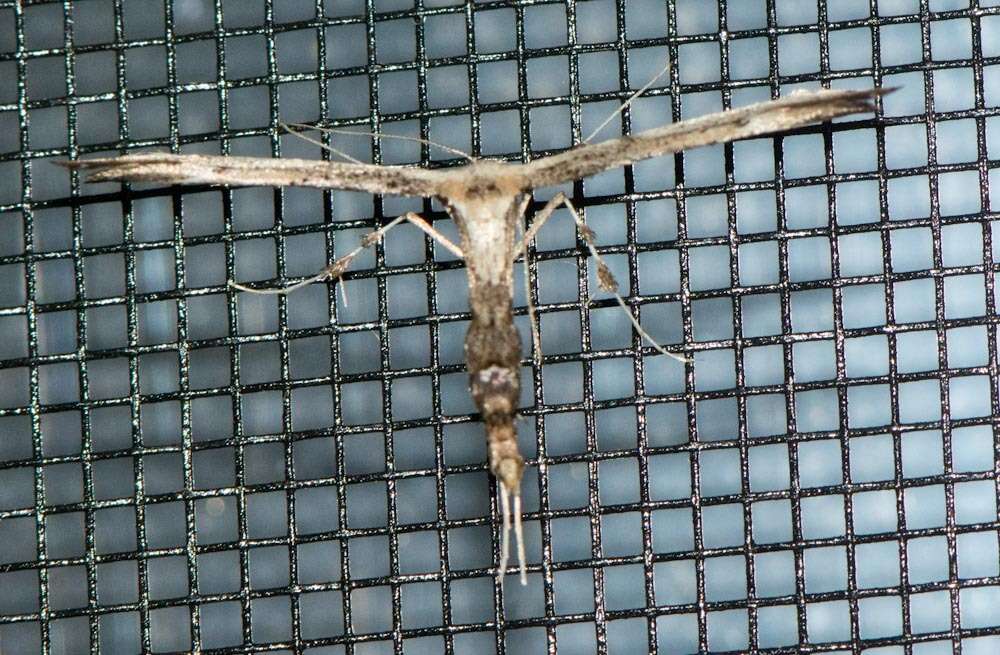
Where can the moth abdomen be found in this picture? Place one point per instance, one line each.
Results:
(495, 390)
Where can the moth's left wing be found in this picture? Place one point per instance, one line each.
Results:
(799, 108)
(252, 171)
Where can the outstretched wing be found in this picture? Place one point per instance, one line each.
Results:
(797, 109)
(252, 171)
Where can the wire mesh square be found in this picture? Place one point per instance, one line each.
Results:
(185, 468)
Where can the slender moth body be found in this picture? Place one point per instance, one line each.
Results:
(488, 200)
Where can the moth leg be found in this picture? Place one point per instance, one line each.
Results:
(419, 221)
(505, 534)
(605, 279)
(505, 512)
(536, 337)
(521, 250)
(538, 221)
(337, 268)
(519, 539)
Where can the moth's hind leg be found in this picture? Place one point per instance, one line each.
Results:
(605, 279)
(505, 511)
(337, 268)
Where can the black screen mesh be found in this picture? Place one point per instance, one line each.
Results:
(183, 467)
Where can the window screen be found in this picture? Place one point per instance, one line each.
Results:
(184, 467)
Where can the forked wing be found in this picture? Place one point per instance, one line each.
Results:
(797, 109)
(252, 171)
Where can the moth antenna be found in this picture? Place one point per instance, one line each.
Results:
(319, 277)
(316, 142)
(400, 137)
(505, 532)
(631, 98)
(519, 538)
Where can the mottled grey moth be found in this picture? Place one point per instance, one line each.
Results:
(488, 200)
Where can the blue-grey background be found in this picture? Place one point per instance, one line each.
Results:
(159, 302)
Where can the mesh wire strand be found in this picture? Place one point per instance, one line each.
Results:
(183, 467)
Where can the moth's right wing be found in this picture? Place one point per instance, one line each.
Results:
(794, 110)
(252, 171)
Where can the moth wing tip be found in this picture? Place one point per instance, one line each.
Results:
(868, 96)
(885, 90)
(97, 170)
